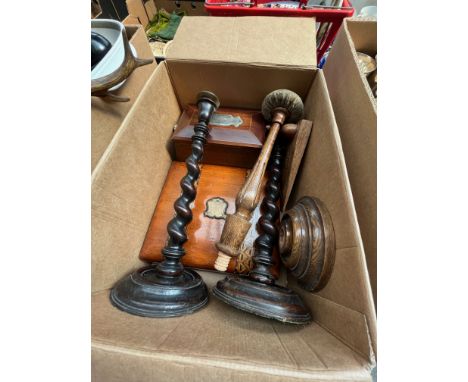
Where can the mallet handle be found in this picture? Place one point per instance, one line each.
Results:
(238, 224)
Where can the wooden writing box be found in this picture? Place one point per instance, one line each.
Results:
(216, 195)
(236, 137)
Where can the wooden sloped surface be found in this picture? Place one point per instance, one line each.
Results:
(293, 158)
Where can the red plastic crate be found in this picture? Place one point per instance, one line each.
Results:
(322, 15)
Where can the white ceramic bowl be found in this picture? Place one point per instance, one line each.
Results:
(111, 30)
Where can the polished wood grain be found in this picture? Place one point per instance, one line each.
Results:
(204, 231)
(307, 243)
(237, 146)
(167, 289)
(247, 200)
(258, 293)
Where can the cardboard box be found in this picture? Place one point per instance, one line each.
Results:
(220, 342)
(196, 8)
(107, 116)
(136, 9)
(150, 8)
(145, 10)
(356, 116)
(131, 20)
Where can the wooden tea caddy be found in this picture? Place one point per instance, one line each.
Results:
(236, 136)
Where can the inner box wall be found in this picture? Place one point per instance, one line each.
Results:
(363, 35)
(355, 110)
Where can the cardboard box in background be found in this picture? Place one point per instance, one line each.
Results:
(107, 116)
(137, 10)
(227, 44)
(192, 9)
(150, 8)
(145, 10)
(220, 342)
(356, 115)
(131, 20)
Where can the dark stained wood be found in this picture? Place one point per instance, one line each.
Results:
(226, 145)
(204, 231)
(167, 289)
(266, 241)
(258, 293)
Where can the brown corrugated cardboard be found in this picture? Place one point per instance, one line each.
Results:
(227, 45)
(269, 41)
(127, 181)
(196, 8)
(220, 342)
(356, 115)
(150, 9)
(126, 185)
(137, 9)
(131, 20)
(107, 116)
(189, 77)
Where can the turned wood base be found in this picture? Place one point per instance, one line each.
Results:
(144, 293)
(307, 243)
(269, 301)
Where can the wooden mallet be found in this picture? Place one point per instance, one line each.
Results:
(282, 108)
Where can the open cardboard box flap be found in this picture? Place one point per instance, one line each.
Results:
(220, 342)
(356, 116)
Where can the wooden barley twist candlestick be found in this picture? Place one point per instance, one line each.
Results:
(238, 224)
(257, 293)
(171, 267)
(265, 242)
(278, 107)
(167, 289)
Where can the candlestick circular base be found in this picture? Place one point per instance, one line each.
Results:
(269, 301)
(144, 293)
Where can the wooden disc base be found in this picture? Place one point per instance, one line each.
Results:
(269, 301)
(307, 243)
(144, 293)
